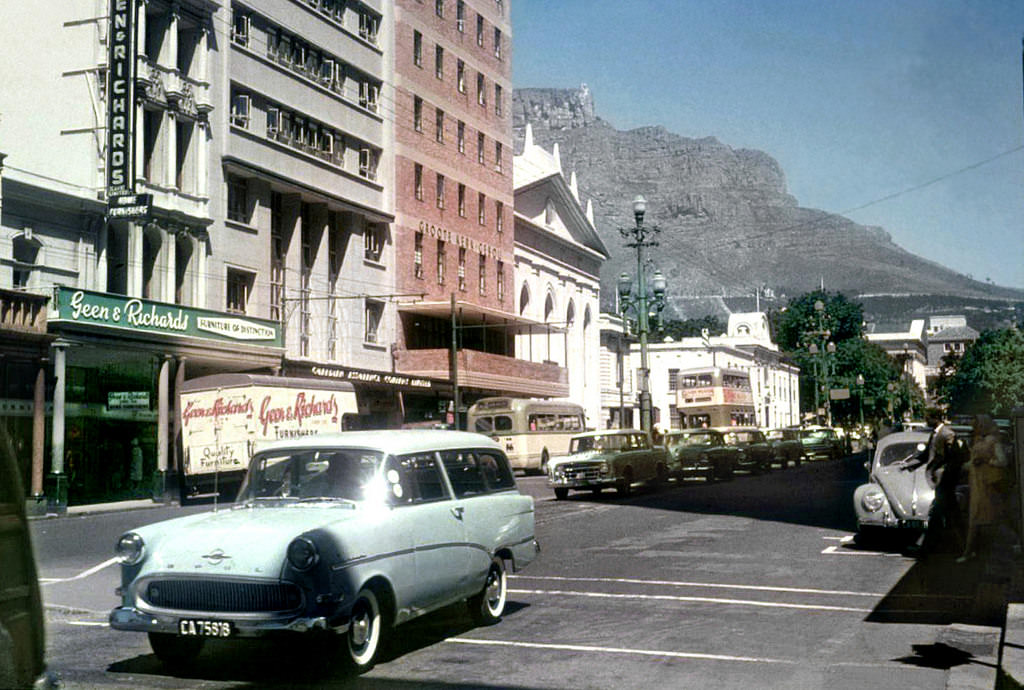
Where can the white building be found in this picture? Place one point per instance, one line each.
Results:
(909, 348)
(558, 256)
(746, 346)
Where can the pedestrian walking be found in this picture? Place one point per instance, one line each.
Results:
(990, 480)
(135, 474)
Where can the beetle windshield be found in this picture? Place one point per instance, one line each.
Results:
(898, 452)
(341, 473)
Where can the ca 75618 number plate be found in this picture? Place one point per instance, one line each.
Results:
(192, 627)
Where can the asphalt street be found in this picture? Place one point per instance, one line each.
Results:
(753, 583)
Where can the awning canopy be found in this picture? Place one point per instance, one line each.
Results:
(469, 314)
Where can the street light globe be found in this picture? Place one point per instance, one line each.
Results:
(831, 348)
(812, 349)
(860, 379)
(639, 205)
(625, 285)
(658, 283)
(819, 305)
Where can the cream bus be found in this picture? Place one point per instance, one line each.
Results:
(530, 431)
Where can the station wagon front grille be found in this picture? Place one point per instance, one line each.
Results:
(583, 472)
(225, 597)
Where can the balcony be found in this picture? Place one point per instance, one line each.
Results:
(488, 371)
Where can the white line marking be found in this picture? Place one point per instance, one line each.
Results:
(837, 551)
(709, 585)
(702, 600)
(618, 650)
(85, 573)
(91, 624)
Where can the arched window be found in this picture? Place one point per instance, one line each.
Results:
(524, 299)
(570, 315)
(549, 306)
(549, 212)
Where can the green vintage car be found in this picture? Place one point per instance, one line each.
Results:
(340, 535)
(701, 453)
(608, 459)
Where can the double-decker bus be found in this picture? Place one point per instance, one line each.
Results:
(531, 431)
(714, 396)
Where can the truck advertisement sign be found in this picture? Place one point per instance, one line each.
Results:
(220, 427)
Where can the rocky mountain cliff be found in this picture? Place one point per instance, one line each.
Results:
(728, 224)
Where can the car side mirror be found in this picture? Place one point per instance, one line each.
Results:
(867, 465)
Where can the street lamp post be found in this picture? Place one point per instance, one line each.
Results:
(860, 398)
(639, 238)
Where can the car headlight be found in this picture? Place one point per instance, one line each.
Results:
(603, 468)
(872, 500)
(130, 549)
(302, 553)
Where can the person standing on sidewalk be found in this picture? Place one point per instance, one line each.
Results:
(942, 468)
(990, 483)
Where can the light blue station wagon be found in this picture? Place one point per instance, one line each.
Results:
(349, 533)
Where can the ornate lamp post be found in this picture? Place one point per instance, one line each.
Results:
(639, 301)
(860, 398)
(821, 360)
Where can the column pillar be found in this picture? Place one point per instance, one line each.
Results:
(141, 174)
(203, 60)
(36, 503)
(102, 244)
(202, 186)
(170, 277)
(162, 427)
(134, 260)
(57, 496)
(172, 36)
(171, 148)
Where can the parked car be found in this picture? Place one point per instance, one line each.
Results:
(701, 453)
(22, 634)
(821, 443)
(606, 459)
(349, 533)
(789, 450)
(755, 453)
(894, 498)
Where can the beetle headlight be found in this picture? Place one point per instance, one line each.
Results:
(872, 500)
(302, 553)
(130, 549)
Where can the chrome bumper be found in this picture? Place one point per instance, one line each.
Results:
(131, 618)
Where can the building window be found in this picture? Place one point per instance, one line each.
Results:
(240, 28)
(497, 43)
(498, 155)
(460, 76)
(417, 256)
(461, 138)
(374, 311)
(497, 99)
(479, 30)
(460, 16)
(239, 287)
(440, 262)
(369, 95)
(480, 141)
(439, 126)
(462, 200)
(440, 190)
(238, 199)
(373, 243)
(368, 159)
(500, 5)
(462, 269)
(25, 255)
(439, 62)
(417, 173)
(673, 380)
(417, 113)
(481, 92)
(417, 48)
(369, 25)
(481, 208)
(439, 8)
(500, 278)
(240, 104)
(483, 274)
(499, 212)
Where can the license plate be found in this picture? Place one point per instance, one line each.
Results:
(192, 627)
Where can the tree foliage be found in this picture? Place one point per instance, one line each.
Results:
(989, 377)
(842, 318)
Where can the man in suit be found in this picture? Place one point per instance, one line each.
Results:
(942, 467)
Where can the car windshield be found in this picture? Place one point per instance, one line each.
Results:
(815, 434)
(746, 437)
(337, 473)
(897, 452)
(609, 442)
(689, 440)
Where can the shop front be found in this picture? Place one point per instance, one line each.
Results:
(118, 365)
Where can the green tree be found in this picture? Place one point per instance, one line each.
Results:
(841, 317)
(989, 376)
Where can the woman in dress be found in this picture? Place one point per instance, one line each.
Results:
(990, 479)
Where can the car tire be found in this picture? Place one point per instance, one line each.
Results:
(661, 478)
(487, 606)
(711, 475)
(561, 493)
(624, 485)
(175, 651)
(365, 632)
(730, 473)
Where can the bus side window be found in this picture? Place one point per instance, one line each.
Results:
(502, 423)
(484, 424)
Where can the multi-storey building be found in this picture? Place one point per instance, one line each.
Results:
(454, 204)
(199, 188)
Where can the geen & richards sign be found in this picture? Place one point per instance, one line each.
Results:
(118, 311)
(121, 98)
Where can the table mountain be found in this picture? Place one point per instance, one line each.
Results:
(728, 224)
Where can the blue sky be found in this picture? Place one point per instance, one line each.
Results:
(858, 100)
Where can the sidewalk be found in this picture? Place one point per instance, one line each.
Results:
(115, 506)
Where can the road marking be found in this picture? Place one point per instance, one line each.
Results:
(617, 650)
(90, 624)
(85, 573)
(709, 585)
(840, 551)
(701, 600)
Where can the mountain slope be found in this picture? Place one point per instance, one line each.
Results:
(728, 224)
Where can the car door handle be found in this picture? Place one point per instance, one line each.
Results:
(457, 511)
